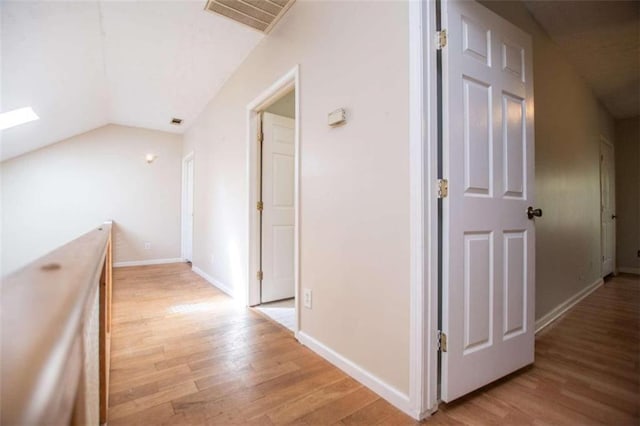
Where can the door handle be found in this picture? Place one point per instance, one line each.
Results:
(531, 212)
(613, 216)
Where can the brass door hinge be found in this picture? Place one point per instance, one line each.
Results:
(260, 276)
(260, 206)
(443, 188)
(442, 341)
(441, 39)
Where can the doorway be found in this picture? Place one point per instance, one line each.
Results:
(273, 163)
(187, 208)
(607, 207)
(277, 210)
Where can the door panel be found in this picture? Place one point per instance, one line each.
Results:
(278, 208)
(282, 183)
(478, 291)
(488, 241)
(514, 282)
(477, 137)
(513, 138)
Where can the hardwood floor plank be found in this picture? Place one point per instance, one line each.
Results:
(136, 378)
(369, 414)
(343, 407)
(183, 353)
(150, 416)
(296, 409)
(148, 401)
(116, 398)
(298, 385)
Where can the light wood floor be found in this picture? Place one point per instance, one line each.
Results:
(183, 353)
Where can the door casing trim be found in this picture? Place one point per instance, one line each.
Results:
(423, 322)
(183, 205)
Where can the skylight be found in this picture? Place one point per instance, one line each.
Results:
(16, 117)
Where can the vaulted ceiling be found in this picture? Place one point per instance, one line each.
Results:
(602, 41)
(83, 64)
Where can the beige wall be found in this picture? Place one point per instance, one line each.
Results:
(568, 125)
(285, 106)
(58, 193)
(354, 179)
(627, 148)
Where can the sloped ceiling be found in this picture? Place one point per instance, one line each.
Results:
(602, 40)
(83, 64)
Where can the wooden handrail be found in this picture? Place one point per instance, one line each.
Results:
(50, 313)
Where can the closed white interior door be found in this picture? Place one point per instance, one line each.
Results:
(607, 207)
(488, 239)
(188, 210)
(278, 213)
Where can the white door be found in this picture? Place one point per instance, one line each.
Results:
(488, 239)
(187, 212)
(607, 207)
(278, 208)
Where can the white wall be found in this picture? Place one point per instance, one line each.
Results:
(568, 124)
(354, 214)
(55, 194)
(628, 194)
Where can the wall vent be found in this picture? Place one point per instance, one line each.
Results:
(261, 15)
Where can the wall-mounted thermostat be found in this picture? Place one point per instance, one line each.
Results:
(337, 117)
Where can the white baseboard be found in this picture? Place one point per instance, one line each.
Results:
(147, 262)
(217, 284)
(629, 270)
(566, 305)
(386, 391)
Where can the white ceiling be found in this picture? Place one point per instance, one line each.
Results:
(602, 41)
(83, 64)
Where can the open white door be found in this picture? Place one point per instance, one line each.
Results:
(187, 209)
(278, 215)
(488, 240)
(607, 207)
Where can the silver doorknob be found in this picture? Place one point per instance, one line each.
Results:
(531, 212)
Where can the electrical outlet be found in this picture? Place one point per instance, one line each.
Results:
(147, 245)
(306, 298)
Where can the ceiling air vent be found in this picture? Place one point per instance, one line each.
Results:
(176, 121)
(261, 15)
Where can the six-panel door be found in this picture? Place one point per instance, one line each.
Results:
(488, 241)
(278, 213)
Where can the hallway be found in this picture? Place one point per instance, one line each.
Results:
(184, 353)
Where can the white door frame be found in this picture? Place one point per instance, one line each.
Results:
(183, 208)
(290, 80)
(604, 140)
(423, 225)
